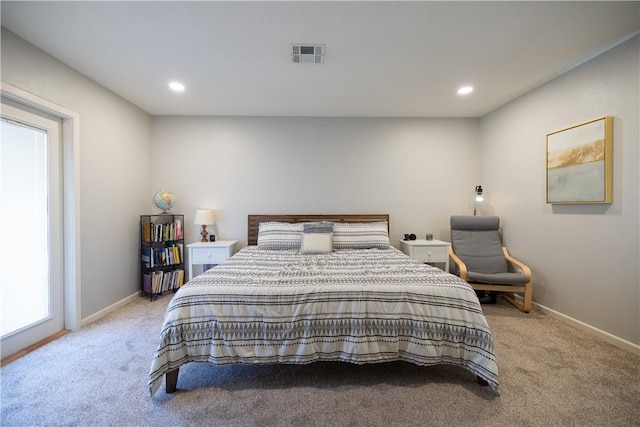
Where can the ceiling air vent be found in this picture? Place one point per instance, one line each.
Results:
(307, 53)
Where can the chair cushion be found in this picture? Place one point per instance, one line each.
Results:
(481, 251)
(498, 278)
(467, 222)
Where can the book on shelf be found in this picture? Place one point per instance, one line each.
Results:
(157, 257)
(146, 227)
(158, 282)
(147, 256)
(178, 229)
(146, 283)
(163, 232)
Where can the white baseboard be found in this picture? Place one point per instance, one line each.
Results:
(606, 336)
(100, 314)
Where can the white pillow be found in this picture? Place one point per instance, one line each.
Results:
(361, 235)
(279, 235)
(316, 243)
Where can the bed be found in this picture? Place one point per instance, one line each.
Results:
(362, 301)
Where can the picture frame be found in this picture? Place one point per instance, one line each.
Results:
(580, 163)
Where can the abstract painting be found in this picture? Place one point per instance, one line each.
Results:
(579, 163)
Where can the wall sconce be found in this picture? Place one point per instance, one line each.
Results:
(479, 197)
(204, 217)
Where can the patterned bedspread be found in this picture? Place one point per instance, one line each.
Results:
(358, 306)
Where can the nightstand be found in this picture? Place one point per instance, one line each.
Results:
(207, 253)
(427, 251)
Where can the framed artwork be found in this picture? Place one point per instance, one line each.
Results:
(579, 163)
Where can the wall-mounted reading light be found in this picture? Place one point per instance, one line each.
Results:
(479, 197)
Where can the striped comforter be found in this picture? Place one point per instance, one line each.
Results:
(359, 306)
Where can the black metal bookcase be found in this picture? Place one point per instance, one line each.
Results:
(161, 253)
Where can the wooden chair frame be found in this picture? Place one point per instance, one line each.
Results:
(526, 289)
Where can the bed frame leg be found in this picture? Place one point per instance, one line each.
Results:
(481, 381)
(171, 380)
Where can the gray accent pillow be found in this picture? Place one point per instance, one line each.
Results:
(318, 227)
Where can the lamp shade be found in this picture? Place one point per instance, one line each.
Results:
(204, 217)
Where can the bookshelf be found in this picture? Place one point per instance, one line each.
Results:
(161, 253)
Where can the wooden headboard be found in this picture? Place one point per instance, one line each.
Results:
(255, 220)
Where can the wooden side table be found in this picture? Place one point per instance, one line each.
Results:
(427, 251)
(208, 253)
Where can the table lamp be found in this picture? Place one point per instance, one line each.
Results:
(204, 217)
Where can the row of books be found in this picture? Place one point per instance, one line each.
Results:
(162, 232)
(159, 281)
(159, 257)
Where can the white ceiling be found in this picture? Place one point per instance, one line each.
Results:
(383, 58)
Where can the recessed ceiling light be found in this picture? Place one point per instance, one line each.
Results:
(176, 86)
(465, 90)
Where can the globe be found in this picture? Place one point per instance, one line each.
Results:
(164, 200)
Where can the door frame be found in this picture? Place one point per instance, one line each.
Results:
(71, 197)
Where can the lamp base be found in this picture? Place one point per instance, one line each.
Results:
(204, 233)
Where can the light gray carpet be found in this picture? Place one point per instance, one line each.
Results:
(551, 374)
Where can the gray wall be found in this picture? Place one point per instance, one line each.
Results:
(420, 171)
(115, 170)
(584, 257)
